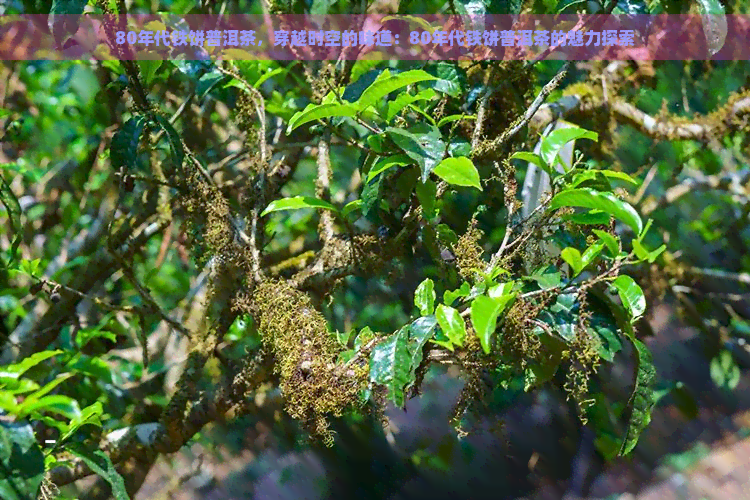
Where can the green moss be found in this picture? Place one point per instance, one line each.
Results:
(468, 252)
(305, 351)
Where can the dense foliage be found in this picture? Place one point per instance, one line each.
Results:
(182, 239)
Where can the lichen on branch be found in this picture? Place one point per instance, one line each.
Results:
(305, 353)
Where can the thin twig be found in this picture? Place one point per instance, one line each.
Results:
(496, 144)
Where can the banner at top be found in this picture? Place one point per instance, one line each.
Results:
(375, 37)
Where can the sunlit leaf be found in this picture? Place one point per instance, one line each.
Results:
(459, 172)
(631, 295)
(535, 159)
(609, 240)
(484, 313)
(319, 111)
(724, 370)
(573, 257)
(297, 202)
(390, 365)
(557, 139)
(18, 369)
(387, 83)
(452, 324)
(607, 202)
(424, 297)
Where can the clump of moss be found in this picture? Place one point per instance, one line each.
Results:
(475, 364)
(468, 252)
(306, 353)
(247, 121)
(583, 357)
(322, 81)
(519, 344)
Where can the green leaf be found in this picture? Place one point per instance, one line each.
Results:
(193, 68)
(609, 240)
(296, 203)
(86, 335)
(562, 316)
(351, 207)
(536, 160)
(18, 369)
(557, 139)
(319, 111)
(537, 374)
(387, 83)
(420, 331)
(91, 415)
(209, 81)
(501, 290)
(573, 257)
(452, 324)
(148, 70)
(55, 403)
(642, 253)
(173, 138)
(371, 195)
(451, 79)
(123, 149)
(92, 366)
(484, 313)
(642, 400)
(592, 217)
(21, 462)
(424, 297)
(631, 295)
(459, 148)
(601, 324)
(423, 143)
(13, 208)
(405, 100)
(321, 7)
(455, 118)
(463, 291)
(587, 175)
(100, 463)
(459, 172)
(354, 90)
(591, 253)
(547, 278)
(384, 164)
(724, 371)
(715, 27)
(390, 364)
(427, 196)
(363, 337)
(607, 202)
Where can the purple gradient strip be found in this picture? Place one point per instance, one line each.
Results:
(375, 37)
